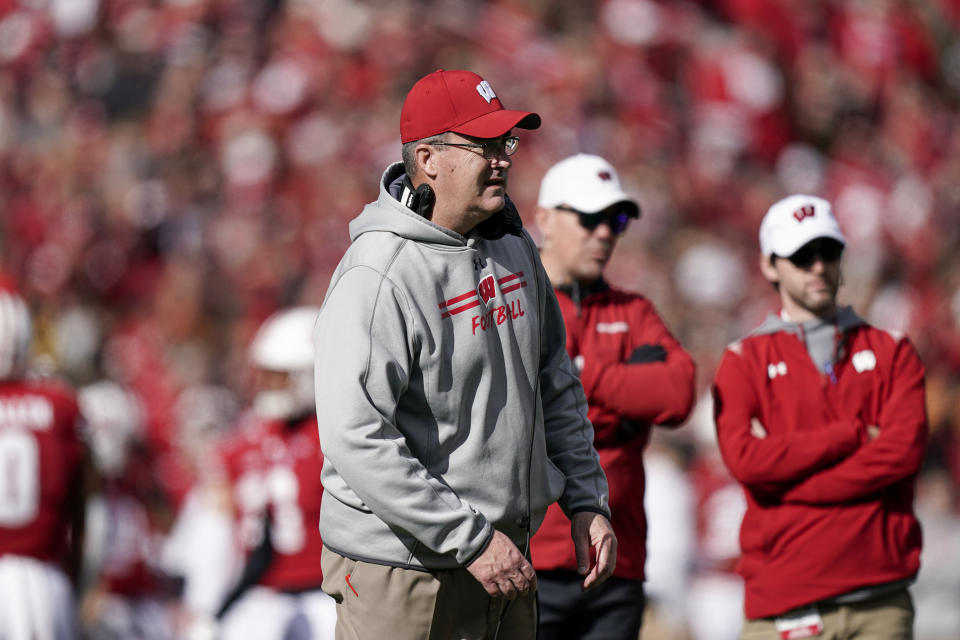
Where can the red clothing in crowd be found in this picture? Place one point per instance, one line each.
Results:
(274, 469)
(829, 511)
(625, 399)
(40, 469)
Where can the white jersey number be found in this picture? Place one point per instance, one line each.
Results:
(19, 478)
(277, 487)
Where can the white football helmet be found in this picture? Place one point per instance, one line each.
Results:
(115, 420)
(284, 343)
(16, 332)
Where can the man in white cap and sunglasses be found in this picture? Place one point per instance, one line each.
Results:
(635, 375)
(449, 413)
(821, 417)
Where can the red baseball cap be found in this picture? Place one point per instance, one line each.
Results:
(458, 101)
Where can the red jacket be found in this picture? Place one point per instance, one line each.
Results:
(828, 510)
(625, 399)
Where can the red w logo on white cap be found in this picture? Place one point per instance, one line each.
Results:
(804, 212)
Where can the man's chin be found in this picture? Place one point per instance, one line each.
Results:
(495, 201)
(821, 303)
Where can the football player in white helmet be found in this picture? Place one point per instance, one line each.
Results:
(124, 595)
(15, 332)
(42, 488)
(273, 468)
(282, 355)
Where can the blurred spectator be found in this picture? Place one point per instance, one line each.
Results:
(715, 596)
(201, 547)
(127, 595)
(669, 502)
(937, 589)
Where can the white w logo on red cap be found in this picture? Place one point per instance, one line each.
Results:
(486, 91)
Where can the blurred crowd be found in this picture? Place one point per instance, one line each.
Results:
(174, 171)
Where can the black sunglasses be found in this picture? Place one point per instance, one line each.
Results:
(827, 250)
(616, 219)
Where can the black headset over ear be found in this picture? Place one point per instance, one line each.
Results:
(420, 199)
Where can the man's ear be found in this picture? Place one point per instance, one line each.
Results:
(543, 217)
(768, 270)
(426, 156)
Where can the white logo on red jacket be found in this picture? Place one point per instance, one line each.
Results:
(776, 369)
(612, 327)
(864, 360)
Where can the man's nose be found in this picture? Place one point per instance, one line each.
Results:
(501, 159)
(603, 229)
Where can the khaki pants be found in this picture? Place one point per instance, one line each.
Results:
(378, 601)
(888, 617)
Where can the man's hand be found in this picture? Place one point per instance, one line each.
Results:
(502, 569)
(588, 530)
(648, 353)
(756, 429)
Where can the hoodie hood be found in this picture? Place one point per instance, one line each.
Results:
(844, 319)
(822, 337)
(388, 214)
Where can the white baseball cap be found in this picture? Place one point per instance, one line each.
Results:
(586, 183)
(794, 221)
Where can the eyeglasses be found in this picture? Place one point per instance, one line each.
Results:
(616, 219)
(826, 249)
(491, 148)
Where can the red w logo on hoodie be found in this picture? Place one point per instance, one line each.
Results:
(487, 289)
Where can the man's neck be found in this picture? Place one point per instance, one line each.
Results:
(796, 313)
(559, 278)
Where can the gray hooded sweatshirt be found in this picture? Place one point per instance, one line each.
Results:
(447, 404)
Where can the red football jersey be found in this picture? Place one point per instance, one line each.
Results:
(275, 468)
(130, 543)
(40, 469)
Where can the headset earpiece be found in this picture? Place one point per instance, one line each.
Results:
(419, 200)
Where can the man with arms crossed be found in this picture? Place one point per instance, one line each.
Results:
(450, 416)
(821, 418)
(635, 375)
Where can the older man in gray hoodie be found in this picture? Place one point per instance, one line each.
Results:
(449, 413)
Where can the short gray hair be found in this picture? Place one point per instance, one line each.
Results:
(410, 160)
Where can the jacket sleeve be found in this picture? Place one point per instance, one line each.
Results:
(894, 455)
(568, 432)
(364, 348)
(761, 464)
(649, 392)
